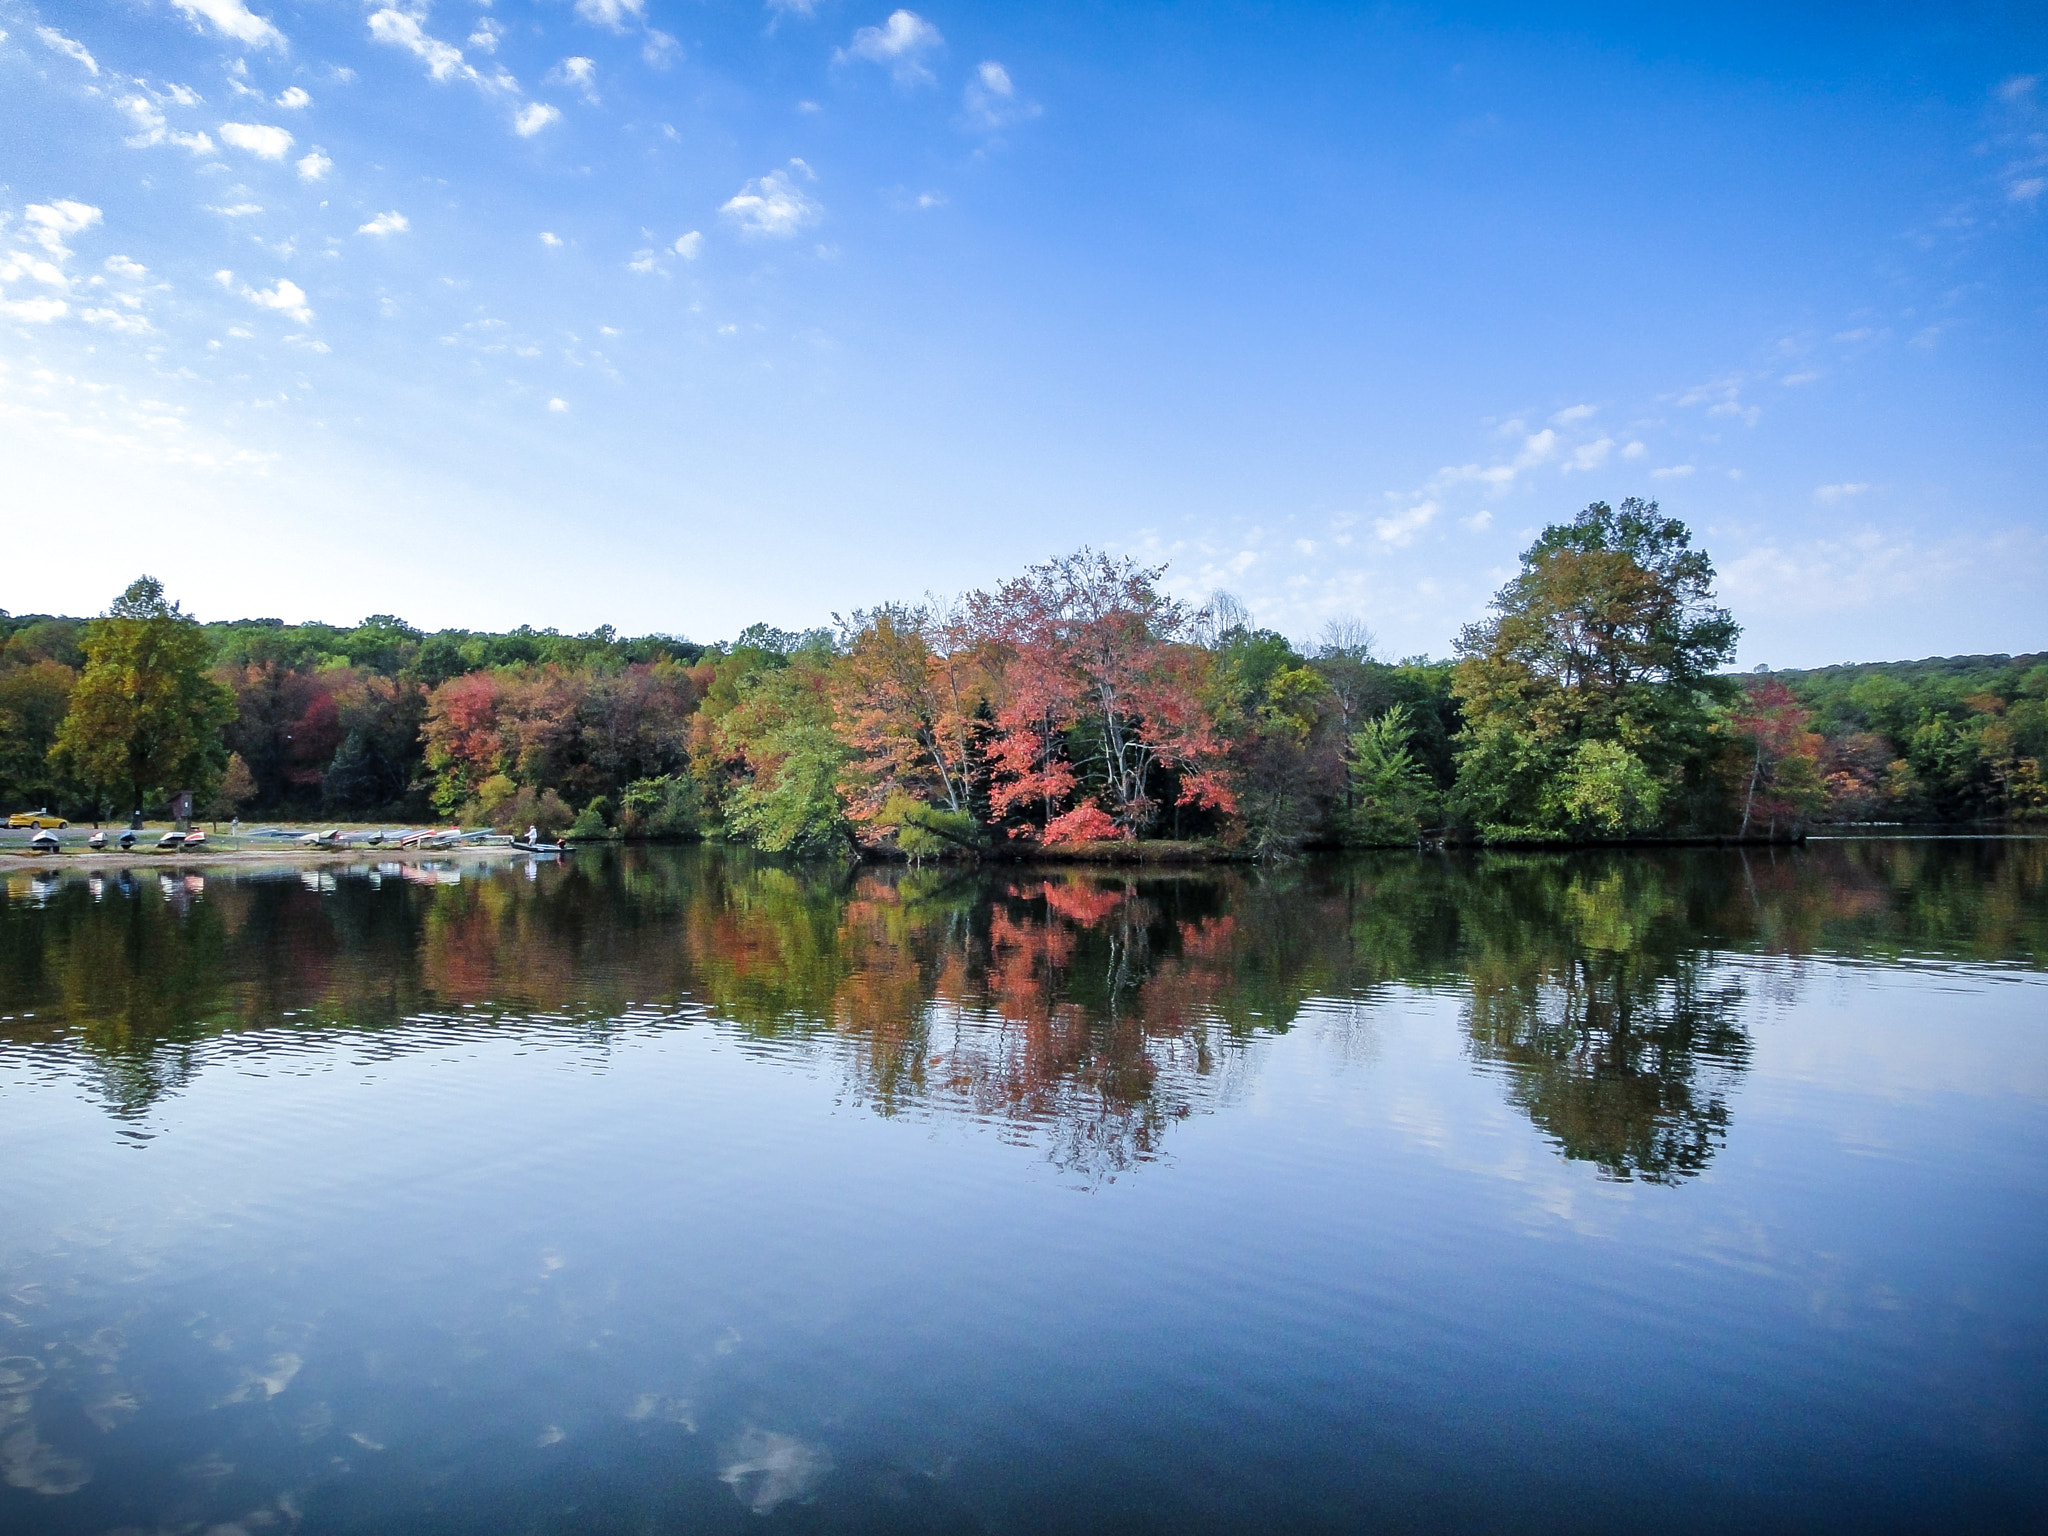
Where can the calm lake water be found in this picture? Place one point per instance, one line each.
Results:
(669, 1190)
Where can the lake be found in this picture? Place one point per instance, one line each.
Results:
(677, 1190)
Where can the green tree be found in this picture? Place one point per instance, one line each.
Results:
(1609, 634)
(1391, 792)
(145, 717)
(33, 699)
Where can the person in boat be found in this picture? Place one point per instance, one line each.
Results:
(532, 833)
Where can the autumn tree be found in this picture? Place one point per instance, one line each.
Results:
(1779, 755)
(145, 717)
(236, 789)
(1100, 692)
(906, 686)
(1589, 693)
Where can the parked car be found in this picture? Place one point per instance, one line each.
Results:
(41, 819)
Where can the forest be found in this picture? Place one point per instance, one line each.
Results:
(1077, 704)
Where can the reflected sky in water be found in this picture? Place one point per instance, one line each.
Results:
(678, 1190)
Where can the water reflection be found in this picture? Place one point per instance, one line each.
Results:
(1083, 1011)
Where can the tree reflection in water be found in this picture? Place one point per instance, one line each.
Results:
(1084, 1011)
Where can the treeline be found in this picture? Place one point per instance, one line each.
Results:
(1077, 703)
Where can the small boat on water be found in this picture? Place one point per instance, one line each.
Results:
(525, 847)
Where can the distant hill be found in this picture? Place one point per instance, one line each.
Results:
(1962, 668)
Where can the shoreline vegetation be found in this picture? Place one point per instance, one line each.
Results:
(1074, 714)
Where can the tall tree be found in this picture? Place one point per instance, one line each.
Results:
(1100, 683)
(145, 717)
(1609, 635)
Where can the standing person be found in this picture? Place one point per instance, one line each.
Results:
(532, 833)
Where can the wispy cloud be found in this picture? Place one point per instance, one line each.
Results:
(689, 246)
(232, 18)
(293, 99)
(991, 100)
(613, 15)
(773, 205)
(900, 45)
(1400, 530)
(1829, 495)
(285, 296)
(69, 47)
(579, 73)
(385, 224)
(444, 61)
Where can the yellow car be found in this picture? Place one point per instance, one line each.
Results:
(41, 819)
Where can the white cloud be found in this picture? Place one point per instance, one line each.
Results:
(287, 298)
(444, 61)
(1722, 397)
(184, 95)
(899, 44)
(293, 99)
(315, 166)
(689, 246)
(1672, 472)
(533, 117)
(2025, 191)
(991, 98)
(35, 311)
(2018, 88)
(231, 18)
(235, 210)
(773, 205)
(393, 223)
(1829, 495)
(484, 39)
(1478, 522)
(1572, 413)
(125, 266)
(127, 324)
(1589, 455)
(259, 139)
(644, 262)
(150, 126)
(804, 8)
(659, 50)
(53, 220)
(73, 50)
(612, 14)
(558, 405)
(1399, 531)
(547, 238)
(1634, 451)
(580, 73)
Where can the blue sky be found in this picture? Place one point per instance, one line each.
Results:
(678, 314)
